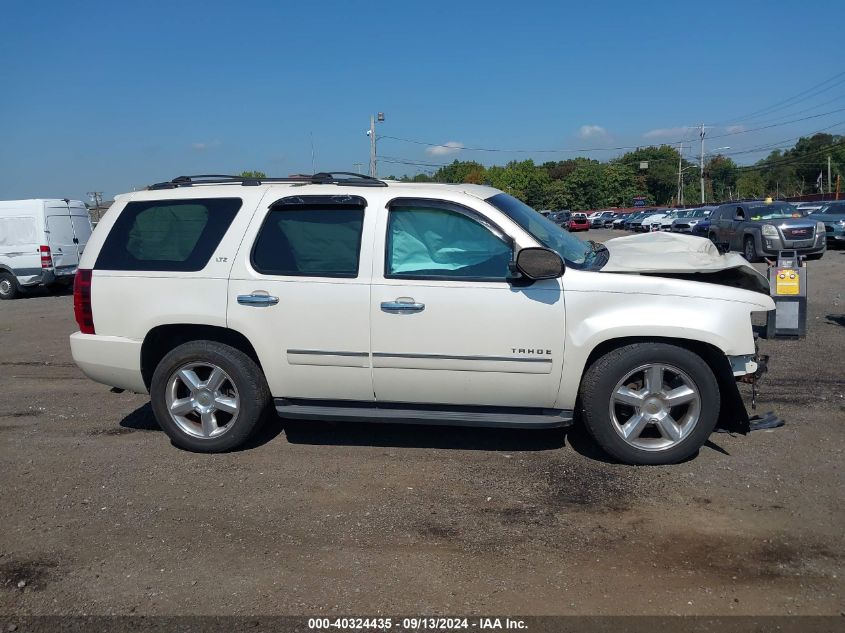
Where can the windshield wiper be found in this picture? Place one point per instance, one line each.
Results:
(598, 255)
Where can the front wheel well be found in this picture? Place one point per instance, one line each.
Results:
(162, 339)
(732, 415)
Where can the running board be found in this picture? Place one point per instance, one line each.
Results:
(441, 415)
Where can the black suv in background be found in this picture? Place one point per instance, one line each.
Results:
(759, 228)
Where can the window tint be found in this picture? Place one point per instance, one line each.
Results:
(309, 240)
(438, 243)
(177, 235)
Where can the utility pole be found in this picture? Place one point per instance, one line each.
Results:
(372, 134)
(680, 175)
(701, 135)
(828, 176)
(358, 167)
(373, 146)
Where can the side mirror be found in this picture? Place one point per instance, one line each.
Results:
(539, 263)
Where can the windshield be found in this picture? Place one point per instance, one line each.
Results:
(838, 209)
(575, 252)
(773, 211)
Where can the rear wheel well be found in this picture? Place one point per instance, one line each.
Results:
(164, 338)
(732, 415)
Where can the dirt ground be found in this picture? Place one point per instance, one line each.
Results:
(100, 514)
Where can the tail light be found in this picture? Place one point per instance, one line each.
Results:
(82, 301)
(46, 257)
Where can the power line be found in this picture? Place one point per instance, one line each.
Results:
(790, 100)
(604, 149)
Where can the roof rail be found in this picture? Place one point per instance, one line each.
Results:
(321, 178)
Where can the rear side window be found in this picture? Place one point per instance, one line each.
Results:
(311, 236)
(167, 235)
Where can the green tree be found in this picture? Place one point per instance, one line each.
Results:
(584, 185)
(521, 179)
(660, 178)
(461, 171)
(750, 184)
(723, 173)
(618, 185)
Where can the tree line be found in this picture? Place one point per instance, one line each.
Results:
(653, 173)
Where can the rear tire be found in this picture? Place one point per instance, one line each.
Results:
(9, 286)
(650, 403)
(209, 397)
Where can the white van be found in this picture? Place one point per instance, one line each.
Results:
(41, 242)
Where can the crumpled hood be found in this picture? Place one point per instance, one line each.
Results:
(680, 255)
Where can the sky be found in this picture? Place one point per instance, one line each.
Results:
(111, 96)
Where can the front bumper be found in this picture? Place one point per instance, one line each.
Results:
(773, 245)
(835, 234)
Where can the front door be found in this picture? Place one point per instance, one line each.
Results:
(299, 293)
(447, 325)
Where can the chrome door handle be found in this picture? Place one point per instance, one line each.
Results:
(402, 305)
(258, 300)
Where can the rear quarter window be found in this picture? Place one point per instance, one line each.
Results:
(167, 235)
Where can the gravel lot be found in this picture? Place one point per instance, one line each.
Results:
(101, 515)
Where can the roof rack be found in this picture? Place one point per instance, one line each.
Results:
(321, 178)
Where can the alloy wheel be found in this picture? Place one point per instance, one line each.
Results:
(202, 400)
(655, 407)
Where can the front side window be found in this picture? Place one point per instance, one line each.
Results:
(310, 239)
(167, 235)
(438, 243)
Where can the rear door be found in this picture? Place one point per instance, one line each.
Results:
(738, 216)
(82, 229)
(300, 292)
(61, 239)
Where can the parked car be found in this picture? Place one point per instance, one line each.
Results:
(807, 208)
(685, 223)
(763, 228)
(701, 228)
(832, 215)
(561, 218)
(337, 297)
(40, 243)
(619, 220)
(633, 220)
(652, 222)
(597, 220)
(665, 223)
(578, 222)
(609, 220)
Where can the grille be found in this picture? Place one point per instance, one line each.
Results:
(798, 233)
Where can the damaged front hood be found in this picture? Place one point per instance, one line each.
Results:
(682, 257)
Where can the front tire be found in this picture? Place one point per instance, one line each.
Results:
(8, 286)
(749, 250)
(209, 397)
(650, 403)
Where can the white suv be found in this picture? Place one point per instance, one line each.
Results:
(343, 297)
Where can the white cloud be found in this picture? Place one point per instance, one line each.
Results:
(590, 131)
(201, 147)
(452, 147)
(664, 132)
(734, 129)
